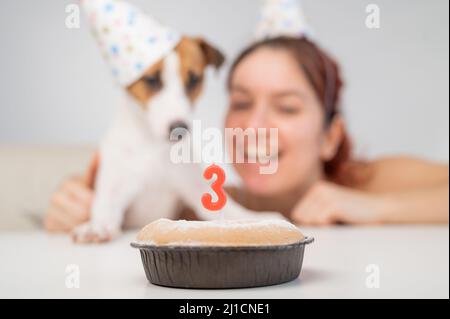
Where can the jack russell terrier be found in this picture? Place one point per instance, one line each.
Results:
(136, 181)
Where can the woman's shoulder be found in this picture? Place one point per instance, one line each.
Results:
(394, 173)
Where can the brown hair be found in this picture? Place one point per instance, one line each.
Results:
(323, 74)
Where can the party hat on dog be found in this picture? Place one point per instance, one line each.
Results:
(282, 18)
(130, 41)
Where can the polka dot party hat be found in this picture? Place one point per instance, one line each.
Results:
(129, 40)
(282, 18)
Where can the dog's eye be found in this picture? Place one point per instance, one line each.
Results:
(154, 81)
(193, 81)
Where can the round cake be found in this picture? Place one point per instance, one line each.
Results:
(235, 233)
(221, 254)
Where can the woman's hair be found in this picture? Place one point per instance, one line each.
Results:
(323, 74)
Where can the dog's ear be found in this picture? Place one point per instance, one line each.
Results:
(212, 55)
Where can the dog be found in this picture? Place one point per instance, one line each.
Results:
(136, 182)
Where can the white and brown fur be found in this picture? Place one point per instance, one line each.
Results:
(136, 182)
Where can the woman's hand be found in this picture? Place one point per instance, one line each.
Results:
(71, 203)
(327, 203)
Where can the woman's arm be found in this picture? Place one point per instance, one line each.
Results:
(397, 190)
(400, 174)
(70, 204)
(423, 205)
(411, 190)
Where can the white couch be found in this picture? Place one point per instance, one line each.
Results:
(28, 176)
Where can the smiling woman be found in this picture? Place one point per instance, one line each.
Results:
(289, 83)
(292, 85)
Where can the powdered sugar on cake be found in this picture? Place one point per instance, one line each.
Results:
(219, 233)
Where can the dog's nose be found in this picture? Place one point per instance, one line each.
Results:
(177, 130)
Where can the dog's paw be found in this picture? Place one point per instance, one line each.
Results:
(94, 233)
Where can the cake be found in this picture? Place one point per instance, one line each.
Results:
(235, 233)
(221, 254)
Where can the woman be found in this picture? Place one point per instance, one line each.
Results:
(291, 84)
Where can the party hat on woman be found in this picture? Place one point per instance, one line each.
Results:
(282, 18)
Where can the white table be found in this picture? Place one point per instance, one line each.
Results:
(413, 261)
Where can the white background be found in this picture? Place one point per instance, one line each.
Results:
(55, 88)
